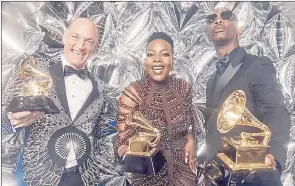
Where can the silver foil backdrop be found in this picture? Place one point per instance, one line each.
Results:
(269, 28)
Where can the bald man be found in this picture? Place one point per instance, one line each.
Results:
(256, 76)
(60, 148)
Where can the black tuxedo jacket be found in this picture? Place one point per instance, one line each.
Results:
(256, 76)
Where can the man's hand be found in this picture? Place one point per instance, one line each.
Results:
(270, 160)
(190, 152)
(122, 150)
(25, 118)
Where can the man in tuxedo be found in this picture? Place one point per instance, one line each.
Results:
(61, 148)
(256, 76)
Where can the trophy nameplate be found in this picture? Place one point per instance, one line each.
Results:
(34, 92)
(142, 156)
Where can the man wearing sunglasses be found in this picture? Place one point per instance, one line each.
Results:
(256, 76)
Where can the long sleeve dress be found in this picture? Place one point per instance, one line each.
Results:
(168, 107)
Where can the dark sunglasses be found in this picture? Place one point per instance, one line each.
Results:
(225, 15)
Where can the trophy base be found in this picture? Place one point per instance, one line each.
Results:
(233, 167)
(217, 173)
(141, 164)
(32, 103)
(241, 155)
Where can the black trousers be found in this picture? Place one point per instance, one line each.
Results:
(71, 179)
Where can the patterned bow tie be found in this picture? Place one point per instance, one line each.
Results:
(80, 73)
(222, 64)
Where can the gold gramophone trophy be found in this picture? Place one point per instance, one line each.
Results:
(244, 152)
(143, 156)
(242, 155)
(34, 91)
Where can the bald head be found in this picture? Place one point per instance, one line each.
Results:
(83, 21)
(80, 42)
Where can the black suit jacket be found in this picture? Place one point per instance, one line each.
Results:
(256, 76)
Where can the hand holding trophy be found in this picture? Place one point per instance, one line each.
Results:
(242, 155)
(143, 156)
(34, 91)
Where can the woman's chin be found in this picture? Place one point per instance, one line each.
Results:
(158, 78)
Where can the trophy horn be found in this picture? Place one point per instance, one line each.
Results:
(28, 68)
(234, 112)
(137, 119)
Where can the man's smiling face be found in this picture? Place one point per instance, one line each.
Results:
(80, 42)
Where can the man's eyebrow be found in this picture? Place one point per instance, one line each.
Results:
(73, 33)
(89, 39)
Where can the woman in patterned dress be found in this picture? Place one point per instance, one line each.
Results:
(166, 102)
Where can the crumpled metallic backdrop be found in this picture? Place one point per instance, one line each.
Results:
(29, 27)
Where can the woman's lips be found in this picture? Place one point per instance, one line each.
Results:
(157, 69)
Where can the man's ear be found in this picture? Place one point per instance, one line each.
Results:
(207, 34)
(239, 30)
(97, 45)
(64, 37)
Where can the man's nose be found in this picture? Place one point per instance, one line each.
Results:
(218, 20)
(80, 44)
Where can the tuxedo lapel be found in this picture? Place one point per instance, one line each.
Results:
(93, 94)
(229, 73)
(210, 90)
(225, 78)
(56, 72)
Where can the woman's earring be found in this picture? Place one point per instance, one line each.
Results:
(172, 68)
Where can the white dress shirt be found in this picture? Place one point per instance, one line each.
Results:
(77, 91)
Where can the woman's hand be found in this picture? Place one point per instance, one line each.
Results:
(122, 150)
(190, 152)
